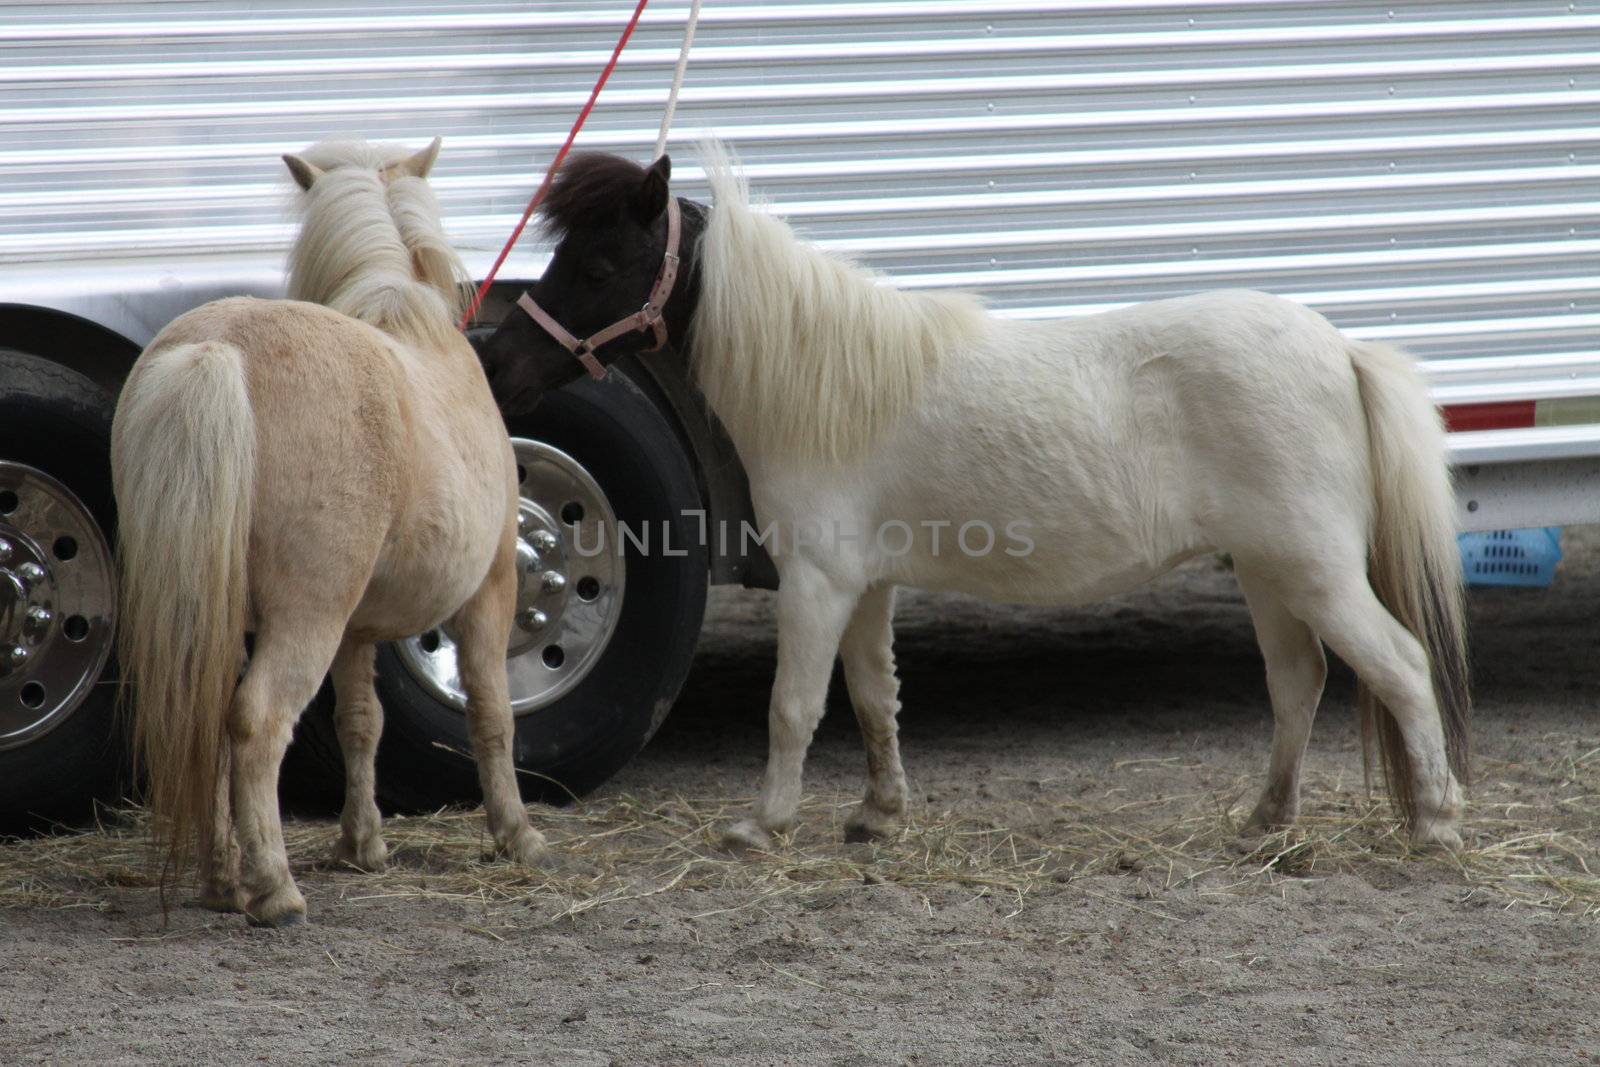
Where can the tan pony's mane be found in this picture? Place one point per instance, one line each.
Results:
(371, 245)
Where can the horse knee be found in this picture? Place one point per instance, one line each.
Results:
(792, 723)
(281, 680)
(253, 728)
(358, 723)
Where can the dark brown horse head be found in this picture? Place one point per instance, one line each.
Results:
(608, 217)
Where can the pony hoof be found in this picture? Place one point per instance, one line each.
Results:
(746, 835)
(284, 907)
(227, 901)
(861, 829)
(371, 857)
(1445, 837)
(1268, 822)
(527, 850)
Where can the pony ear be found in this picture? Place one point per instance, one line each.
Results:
(304, 173)
(650, 198)
(418, 166)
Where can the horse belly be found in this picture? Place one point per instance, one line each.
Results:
(1035, 522)
(434, 563)
(1043, 562)
(408, 596)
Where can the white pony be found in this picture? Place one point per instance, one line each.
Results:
(896, 438)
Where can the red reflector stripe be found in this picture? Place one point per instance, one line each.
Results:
(1502, 415)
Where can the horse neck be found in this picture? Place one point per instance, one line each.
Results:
(352, 255)
(803, 355)
(684, 302)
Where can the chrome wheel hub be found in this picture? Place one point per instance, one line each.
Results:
(570, 577)
(57, 603)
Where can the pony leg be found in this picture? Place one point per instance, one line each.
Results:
(1394, 665)
(284, 674)
(482, 628)
(358, 718)
(219, 848)
(868, 653)
(812, 614)
(1296, 671)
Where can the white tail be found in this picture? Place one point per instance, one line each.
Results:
(1415, 566)
(183, 468)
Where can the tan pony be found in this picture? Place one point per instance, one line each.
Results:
(324, 472)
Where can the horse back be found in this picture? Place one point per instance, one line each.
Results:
(1117, 444)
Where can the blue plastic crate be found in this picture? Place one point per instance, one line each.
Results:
(1511, 557)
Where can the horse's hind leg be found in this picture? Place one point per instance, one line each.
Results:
(1342, 607)
(482, 628)
(358, 718)
(285, 672)
(1296, 671)
(812, 614)
(219, 848)
(867, 649)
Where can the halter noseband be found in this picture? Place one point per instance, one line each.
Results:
(647, 318)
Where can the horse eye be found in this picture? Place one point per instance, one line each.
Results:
(598, 270)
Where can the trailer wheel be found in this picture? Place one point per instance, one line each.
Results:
(61, 747)
(602, 640)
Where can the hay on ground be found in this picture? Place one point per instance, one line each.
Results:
(614, 850)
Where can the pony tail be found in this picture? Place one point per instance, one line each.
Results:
(1415, 565)
(183, 469)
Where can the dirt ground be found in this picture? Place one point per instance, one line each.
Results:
(1071, 889)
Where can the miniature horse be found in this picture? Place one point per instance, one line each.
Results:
(1109, 448)
(325, 477)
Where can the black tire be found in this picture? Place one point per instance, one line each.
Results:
(59, 422)
(571, 746)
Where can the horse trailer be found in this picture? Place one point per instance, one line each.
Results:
(1422, 173)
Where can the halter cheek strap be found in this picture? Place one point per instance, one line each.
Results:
(647, 319)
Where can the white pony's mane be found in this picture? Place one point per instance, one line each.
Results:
(802, 353)
(373, 248)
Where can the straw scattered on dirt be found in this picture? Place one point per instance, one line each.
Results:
(620, 849)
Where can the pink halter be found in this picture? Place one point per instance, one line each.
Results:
(647, 318)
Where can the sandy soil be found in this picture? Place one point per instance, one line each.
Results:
(1104, 748)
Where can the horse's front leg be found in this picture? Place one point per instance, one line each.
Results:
(868, 654)
(812, 613)
(482, 628)
(358, 718)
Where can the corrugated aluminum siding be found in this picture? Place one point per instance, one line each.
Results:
(1426, 172)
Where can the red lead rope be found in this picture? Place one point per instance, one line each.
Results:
(555, 164)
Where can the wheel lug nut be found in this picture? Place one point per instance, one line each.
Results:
(18, 656)
(533, 619)
(544, 540)
(5, 550)
(40, 617)
(31, 574)
(524, 520)
(553, 582)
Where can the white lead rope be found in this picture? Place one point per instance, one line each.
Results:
(677, 78)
